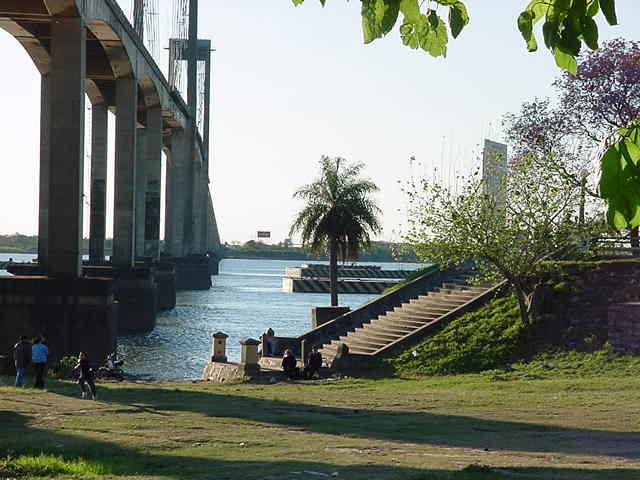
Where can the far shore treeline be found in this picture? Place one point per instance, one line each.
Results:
(377, 252)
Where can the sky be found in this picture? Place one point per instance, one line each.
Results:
(292, 84)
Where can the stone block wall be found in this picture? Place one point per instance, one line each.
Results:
(624, 327)
(575, 297)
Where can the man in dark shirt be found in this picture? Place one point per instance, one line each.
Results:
(22, 358)
(314, 363)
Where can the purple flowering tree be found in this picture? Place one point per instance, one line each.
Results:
(604, 96)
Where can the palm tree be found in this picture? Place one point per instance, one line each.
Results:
(339, 215)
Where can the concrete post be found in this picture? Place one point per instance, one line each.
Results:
(141, 186)
(67, 77)
(153, 169)
(219, 347)
(98, 216)
(45, 162)
(176, 186)
(249, 351)
(125, 172)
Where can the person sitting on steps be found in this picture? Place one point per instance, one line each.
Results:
(314, 362)
(289, 364)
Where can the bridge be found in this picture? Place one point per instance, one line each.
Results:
(89, 47)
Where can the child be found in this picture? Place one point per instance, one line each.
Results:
(85, 376)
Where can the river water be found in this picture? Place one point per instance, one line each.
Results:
(245, 300)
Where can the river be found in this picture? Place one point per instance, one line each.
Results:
(245, 300)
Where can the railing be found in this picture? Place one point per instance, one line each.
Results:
(615, 246)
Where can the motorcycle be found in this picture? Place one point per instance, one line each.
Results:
(112, 368)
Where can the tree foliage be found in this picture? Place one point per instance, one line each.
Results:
(594, 115)
(339, 215)
(567, 24)
(508, 227)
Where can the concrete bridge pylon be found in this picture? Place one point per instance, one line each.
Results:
(89, 47)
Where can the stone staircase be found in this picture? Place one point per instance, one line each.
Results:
(373, 337)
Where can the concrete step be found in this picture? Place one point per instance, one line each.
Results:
(456, 295)
(470, 288)
(401, 318)
(428, 311)
(432, 305)
(332, 348)
(390, 329)
(407, 325)
(371, 332)
(357, 348)
(361, 340)
(413, 313)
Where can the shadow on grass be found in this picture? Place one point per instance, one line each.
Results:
(404, 426)
(80, 457)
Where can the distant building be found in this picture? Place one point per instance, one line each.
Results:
(494, 168)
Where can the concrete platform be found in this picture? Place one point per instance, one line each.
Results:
(75, 314)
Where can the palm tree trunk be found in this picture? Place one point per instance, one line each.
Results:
(333, 271)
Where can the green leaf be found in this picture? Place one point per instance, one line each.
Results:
(593, 8)
(565, 61)
(378, 18)
(297, 2)
(590, 32)
(458, 18)
(609, 10)
(579, 8)
(525, 25)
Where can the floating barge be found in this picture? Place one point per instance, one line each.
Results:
(314, 278)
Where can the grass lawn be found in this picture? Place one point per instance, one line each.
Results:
(548, 423)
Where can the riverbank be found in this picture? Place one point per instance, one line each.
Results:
(550, 425)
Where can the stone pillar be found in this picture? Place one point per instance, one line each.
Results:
(176, 186)
(219, 347)
(153, 169)
(141, 186)
(98, 206)
(249, 351)
(67, 77)
(125, 172)
(45, 162)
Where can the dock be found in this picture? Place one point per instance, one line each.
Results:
(314, 278)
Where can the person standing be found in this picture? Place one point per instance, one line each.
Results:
(85, 376)
(22, 358)
(39, 354)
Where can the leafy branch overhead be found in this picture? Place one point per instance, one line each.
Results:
(422, 26)
(568, 24)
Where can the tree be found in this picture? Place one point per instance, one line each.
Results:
(595, 107)
(508, 229)
(339, 215)
(568, 24)
(604, 95)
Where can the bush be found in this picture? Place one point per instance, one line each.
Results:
(64, 368)
(487, 338)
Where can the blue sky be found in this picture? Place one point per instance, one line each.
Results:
(291, 84)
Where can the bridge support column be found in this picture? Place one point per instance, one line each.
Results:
(125, 173)
(175, 200)
(98, 215)
(45, 165)
(141, 186)
(67, 76)
(153, 161)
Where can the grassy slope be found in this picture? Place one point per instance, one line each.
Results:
(556, 418)
(489, 337)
